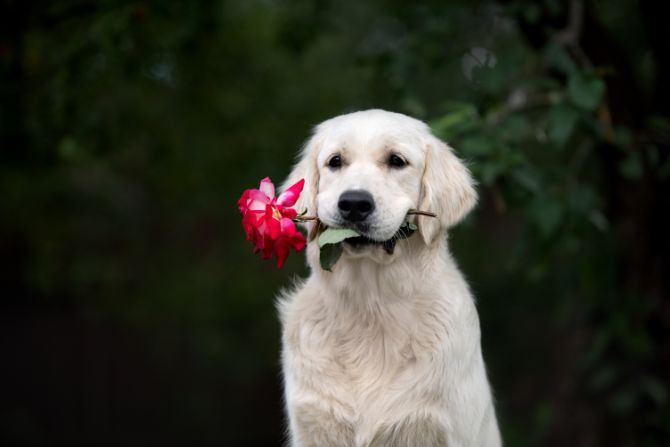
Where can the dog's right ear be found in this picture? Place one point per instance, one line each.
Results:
(306, 168)
(447, 190)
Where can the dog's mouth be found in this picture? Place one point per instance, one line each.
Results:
(363, 241)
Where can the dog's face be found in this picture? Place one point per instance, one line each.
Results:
(366, 170)
(367, 181)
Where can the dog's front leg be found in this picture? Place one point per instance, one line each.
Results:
(423, 430)
(317, 425)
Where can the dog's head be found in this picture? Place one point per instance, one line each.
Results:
(366, 170)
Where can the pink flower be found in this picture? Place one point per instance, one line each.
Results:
(268, 220)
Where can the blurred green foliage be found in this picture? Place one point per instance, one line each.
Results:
(130, 128)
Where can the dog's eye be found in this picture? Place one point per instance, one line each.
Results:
(335, 162)
(396, 161)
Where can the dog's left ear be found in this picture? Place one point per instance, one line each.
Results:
(306, 168)
(447, 189)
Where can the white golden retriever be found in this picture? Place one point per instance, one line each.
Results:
(384, 350)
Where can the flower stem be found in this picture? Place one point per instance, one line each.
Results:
(301, 218)
(421, 213)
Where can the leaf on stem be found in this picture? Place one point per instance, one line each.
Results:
(330, 244)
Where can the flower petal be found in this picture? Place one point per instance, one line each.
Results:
(247, 224)
(272, 225)
(287, 227)
(243, 202)
(281, 250)
(257, 200)
(287, 212)
(268, 246)
(267, 221)
(267, 188)
(290, 196)
(298, 241)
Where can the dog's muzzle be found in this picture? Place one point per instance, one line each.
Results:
(355, 205)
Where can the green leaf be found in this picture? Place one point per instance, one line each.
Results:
(335, 236)
(528, 179)
(489, 172)
(624, 400)
(515, 129)
(623, 138)
(329, 255)
(655, 389)
(477, 146)
(562, 121)
(404, 231)
(631, 167)
(603, 377)
(462, 118)
(547, 215)
(331, 247)
(532, 12)
(557, 57)
(586, 91)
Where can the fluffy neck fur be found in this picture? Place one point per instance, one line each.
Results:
(405, 276)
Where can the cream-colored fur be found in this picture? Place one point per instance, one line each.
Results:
(385, 350)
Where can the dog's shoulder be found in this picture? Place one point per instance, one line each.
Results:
(299, 306)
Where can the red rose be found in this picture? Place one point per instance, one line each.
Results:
(268, 220)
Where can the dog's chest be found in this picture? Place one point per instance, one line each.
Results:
(373, 350)
(364, 351)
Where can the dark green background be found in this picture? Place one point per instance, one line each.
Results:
(132, 309)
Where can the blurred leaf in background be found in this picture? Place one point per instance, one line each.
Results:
(133, 310)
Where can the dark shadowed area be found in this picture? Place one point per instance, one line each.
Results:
(132, 309)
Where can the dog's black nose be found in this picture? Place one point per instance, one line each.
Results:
(355, 206)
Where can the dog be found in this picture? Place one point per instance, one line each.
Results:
(384, 351)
